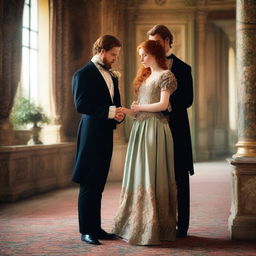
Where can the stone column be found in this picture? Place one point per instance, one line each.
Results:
(200, 92)
(242, 221)
(216, 95)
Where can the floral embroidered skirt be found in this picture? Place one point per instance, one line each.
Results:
(147, 210)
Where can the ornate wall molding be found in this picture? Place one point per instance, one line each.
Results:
(184, 4)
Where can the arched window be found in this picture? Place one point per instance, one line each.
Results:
(35, 53)
(29, 77)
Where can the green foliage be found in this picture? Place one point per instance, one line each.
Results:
(26, 112)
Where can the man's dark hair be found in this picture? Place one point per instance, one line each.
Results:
(162, 31)
(105, 42)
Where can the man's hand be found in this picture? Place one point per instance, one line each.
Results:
(119, 115)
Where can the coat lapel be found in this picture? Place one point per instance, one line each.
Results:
(102, 81)
(173, 63)
(116, 97)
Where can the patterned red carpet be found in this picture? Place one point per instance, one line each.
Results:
(47, 224)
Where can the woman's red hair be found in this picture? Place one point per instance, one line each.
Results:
(157, 51)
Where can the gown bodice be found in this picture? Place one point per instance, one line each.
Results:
(150, 91)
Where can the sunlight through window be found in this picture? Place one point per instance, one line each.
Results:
(30, 50)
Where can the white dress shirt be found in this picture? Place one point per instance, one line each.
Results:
(109, 82)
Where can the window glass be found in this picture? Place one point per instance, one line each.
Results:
(29, 70)
(25, 37)
(34, 15)
(25, 72)
(33, 74)
(33, 39)
(26, 16)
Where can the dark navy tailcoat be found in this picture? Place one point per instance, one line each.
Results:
(95, 131)
(180, 100)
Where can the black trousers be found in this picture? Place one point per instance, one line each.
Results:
(89, 199)
(89, 208)
(183, 199)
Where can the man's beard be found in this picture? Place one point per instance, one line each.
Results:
(106, 63)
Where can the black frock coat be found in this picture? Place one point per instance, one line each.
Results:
(95, 131)
(180, 100)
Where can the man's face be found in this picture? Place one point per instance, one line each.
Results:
(109, 57)
(163, 43)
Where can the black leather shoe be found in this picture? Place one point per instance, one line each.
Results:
(90, 239)
(181, 233)
(102, 234)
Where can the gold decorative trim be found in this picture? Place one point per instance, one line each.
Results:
(245, 149)
(241, 25)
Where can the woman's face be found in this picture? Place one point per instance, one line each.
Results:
(146, 59)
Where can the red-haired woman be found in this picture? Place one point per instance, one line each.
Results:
(147, 211)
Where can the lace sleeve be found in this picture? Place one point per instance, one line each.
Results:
(168, 82)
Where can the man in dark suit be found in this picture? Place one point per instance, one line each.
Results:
(180, 100)
(96, 96)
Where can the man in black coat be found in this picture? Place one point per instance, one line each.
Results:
(96, 96)
(180, 100)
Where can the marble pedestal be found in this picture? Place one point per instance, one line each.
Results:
(242, 220)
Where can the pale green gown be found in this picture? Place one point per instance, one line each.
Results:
(147, 211)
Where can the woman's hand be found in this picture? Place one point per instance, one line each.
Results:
(135, 107)
(127, 111)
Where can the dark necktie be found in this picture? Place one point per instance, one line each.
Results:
(103, 66)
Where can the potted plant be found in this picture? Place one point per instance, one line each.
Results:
(26, 112)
